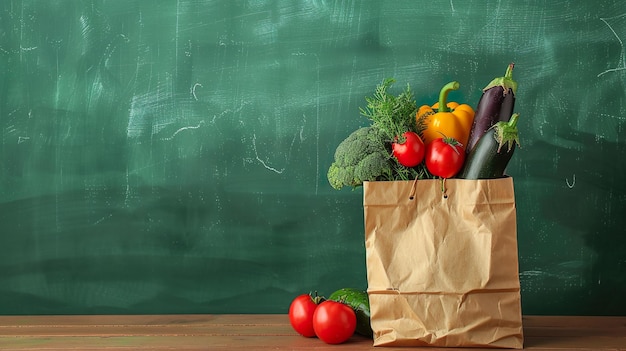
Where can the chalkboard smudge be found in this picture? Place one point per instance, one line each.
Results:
(29, 48)
(185, 128)
(227, 111)
(532, 273)
(103, 219)
(264, 163)
(571, 186)
(193, 90)
(622, 62)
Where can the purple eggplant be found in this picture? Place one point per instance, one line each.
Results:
(495, 105)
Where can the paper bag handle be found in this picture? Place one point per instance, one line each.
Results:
(414, 189)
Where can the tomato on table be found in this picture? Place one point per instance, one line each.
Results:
(301, 313)
(334, 322)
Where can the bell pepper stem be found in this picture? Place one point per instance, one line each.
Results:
(443, 95)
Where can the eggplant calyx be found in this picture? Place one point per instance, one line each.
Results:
(506, 133)
(505, 82)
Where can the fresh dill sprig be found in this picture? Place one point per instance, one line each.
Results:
(393, 115)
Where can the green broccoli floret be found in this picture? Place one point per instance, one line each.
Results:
(362, 156)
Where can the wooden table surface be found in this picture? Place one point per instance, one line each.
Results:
(261, 332)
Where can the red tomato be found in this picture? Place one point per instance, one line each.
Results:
(444, 157)
(410, 153)
(334, 322)
(301, 313)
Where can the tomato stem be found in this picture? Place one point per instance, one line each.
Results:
(443, 95)
(317, 299)
(450, 141)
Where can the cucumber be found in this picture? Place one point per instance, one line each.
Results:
(490, 156)
(360, 303)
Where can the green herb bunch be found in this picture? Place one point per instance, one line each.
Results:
(393, 115)
(366, 154)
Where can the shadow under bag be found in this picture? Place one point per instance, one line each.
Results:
(442, 263)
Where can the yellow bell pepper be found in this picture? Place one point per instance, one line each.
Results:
(453, 120)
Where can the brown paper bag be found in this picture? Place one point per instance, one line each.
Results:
(442, 265)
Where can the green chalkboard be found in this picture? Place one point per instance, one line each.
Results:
(171, 156)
